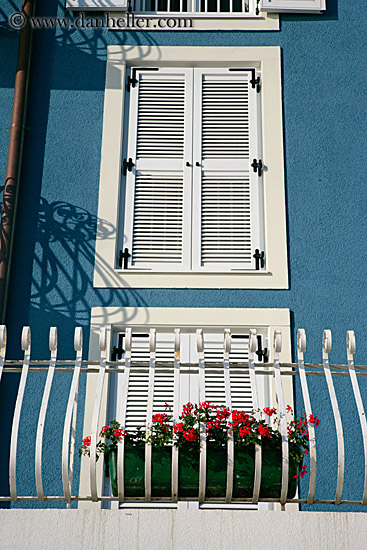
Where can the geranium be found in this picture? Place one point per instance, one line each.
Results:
(218, 422)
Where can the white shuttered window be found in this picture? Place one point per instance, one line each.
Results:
(192, 198)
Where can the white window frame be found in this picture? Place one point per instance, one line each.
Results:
(293, 6)
(265, 59)
(217, 318)
(145, 21)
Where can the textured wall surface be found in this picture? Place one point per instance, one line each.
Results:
(179, 530)
(324, 81)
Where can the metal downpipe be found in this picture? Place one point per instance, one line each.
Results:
(14, 160)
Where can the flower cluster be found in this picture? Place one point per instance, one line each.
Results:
(218, 424)
(112, 432)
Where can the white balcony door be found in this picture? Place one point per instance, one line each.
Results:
(189, 387)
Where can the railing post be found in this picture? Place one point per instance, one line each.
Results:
(52, 341)
(70, 420)
(121, 415)
(230, 443)
(202, 461)
(148, 445)
(351, 349)
(277, 347)
(96, 411)
(301, 348)
(252, 347)
(176, 411)
(26, 347)
(326, 349)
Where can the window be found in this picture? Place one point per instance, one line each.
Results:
(181, 14)
(193, 210)
(293, 5)
(192, 198)
(213, 321)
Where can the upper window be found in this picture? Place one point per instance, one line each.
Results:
(192, 179)
(192, 195)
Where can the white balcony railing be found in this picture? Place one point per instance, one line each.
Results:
(103, 368)
(218, 8)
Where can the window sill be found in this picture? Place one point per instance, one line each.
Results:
(120, 278)
(200, 22)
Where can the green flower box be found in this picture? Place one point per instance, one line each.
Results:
(188, 474)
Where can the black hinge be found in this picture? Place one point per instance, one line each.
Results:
(255, 81)
(123, 258)
(259, 258)
(257, 7)
(257, 166)
(262, 354)
(117, 353)
(127, 165)
(132, 81)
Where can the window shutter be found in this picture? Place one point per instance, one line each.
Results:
(293, 5)
(226, 214)
(138, 383)
(158, 189)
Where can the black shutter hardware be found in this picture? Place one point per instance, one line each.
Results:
(132, 81)
(259, 259)
(262, 354)
(117, 352)
(127, 165)
(123, 258)
(257, 166)
(255, 81)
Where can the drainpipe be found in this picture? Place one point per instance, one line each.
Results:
(13, 167)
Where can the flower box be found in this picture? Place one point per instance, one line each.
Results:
(188, 473)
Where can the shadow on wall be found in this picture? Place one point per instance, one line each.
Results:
(64, 261)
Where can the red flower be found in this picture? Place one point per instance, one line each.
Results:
(86, 442)
(269, 412)
(244, 430)
(264, 430)
(178, 428)
(190, 435)
(314, 420)
(289, 408)
(160, 419)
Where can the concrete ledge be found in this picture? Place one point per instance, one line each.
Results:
(181, 530)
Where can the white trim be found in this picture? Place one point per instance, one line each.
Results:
(294, 6)
(135, 317)
(267, 60)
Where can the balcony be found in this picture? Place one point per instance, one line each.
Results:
(223, 372)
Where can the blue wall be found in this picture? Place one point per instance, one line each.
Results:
(324, 81)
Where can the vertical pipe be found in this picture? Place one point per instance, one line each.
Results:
(13, 167)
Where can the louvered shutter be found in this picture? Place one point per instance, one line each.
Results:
(226, 211)
(139, 378)
(293, 5)
(158, 189)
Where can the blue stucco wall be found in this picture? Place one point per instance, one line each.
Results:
(324, 80)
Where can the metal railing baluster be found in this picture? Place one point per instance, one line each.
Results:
(176, 410)
(301, 348)
(43, 412)
(277, 347)
(203, 446)
(230, 443)
(67, 456)
(351, 349)
(121, 414)
(326, 349)
(252, 347)
(26, 347)
(96, 411)
(148, 445)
